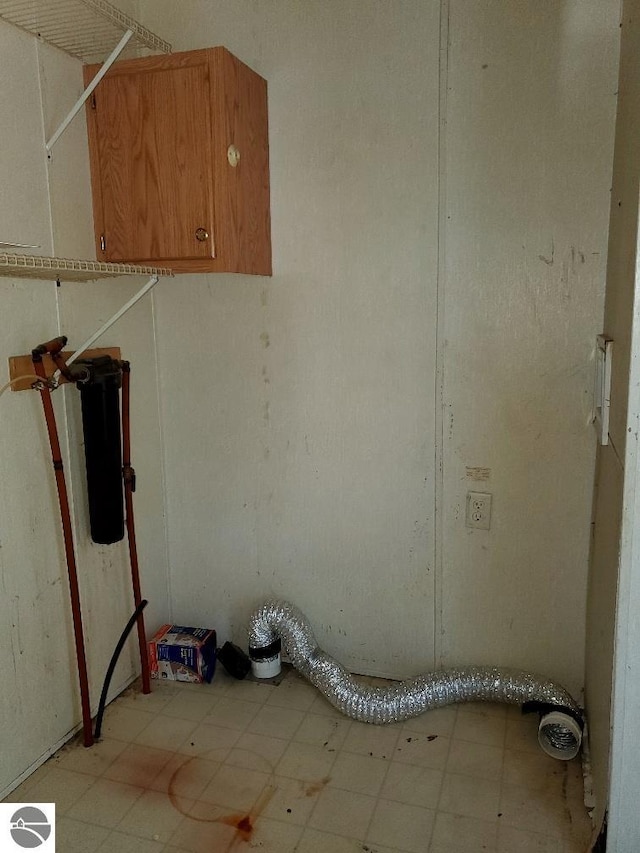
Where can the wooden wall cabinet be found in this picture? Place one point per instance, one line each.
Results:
(180, 163)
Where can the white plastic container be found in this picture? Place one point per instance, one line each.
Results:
(265, 662)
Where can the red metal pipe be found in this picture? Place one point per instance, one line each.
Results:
(65, 515)
(129, 476)
(53, 347)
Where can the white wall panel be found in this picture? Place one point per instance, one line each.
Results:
(301, 464)
(299, 411)
(40, 705)
(38, 702)
(37, 648)
(530, 110)
(334, 457)
(61, 85)
(24, 204)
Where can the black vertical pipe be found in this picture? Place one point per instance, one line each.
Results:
(100, 400)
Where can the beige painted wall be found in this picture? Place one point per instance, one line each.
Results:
(39, 702)
(301, 413)
(317, 462)
(298, 411)
(530, 115)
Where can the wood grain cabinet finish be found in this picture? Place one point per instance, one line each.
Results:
(164, 189)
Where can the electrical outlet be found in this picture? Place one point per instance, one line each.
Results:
(479, 510)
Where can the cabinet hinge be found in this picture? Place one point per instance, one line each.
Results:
(103, 243)
(93, 101)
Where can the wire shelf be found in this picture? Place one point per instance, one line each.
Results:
(86, 29)
(59, 269)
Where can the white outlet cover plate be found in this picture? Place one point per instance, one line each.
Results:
(478, 515)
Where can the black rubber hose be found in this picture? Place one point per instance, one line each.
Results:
(113, 662)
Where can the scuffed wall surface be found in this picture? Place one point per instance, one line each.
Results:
(306, 462)
(299, 411)
(49, 204)
(530, 112)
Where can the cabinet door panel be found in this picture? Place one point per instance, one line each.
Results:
(154, 141)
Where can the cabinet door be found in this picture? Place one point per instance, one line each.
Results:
(153, 139)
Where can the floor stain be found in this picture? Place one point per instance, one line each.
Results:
(244, 824)
(315, 787)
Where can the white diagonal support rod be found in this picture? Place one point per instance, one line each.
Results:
(88, 91)
(90, 341)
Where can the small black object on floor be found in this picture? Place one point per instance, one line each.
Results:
(234, 660)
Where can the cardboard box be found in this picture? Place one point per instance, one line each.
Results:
(178, 653)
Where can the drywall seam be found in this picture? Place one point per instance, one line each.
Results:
(163, 458)
(440, 318)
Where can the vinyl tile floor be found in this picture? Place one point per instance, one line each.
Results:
(243, 765)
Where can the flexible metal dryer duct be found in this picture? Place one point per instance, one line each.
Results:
(560, 731)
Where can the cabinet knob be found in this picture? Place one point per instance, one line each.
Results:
(202, 234)
(233, 155)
